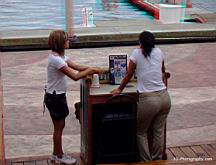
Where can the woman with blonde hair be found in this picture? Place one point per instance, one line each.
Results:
(59, 68)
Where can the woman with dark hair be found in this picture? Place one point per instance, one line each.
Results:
(60, 66)
(154, 101)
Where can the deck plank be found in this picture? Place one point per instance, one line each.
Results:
(189, 153)
(209, 149)
(158, 162)
(32, 162)
(169, 155)
(195, 163)
(162, 162)
(17, 163)
(42, 162)
(176, 156)
(177, 152)
(214, 145)
(199, 151)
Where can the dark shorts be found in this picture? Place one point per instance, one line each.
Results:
(57, 105)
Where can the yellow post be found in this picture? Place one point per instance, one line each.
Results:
(69, 17)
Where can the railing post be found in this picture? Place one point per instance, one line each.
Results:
(69, 17)
(2, 151)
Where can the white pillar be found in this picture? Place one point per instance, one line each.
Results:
(69, 17)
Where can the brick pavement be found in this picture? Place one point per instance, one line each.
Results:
(28, 132)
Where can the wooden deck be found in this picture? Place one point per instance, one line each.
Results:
(202, 154)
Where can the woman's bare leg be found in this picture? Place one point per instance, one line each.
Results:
(57, 136)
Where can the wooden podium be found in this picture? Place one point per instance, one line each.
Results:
(97, 96)
(90, 97)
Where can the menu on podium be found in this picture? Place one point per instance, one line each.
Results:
(117, 68)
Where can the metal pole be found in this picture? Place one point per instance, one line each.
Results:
(69, 17)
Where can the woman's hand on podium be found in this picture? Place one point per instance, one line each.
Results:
(116, 92)
(98, 70)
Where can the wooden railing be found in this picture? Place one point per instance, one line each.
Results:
(2, 152)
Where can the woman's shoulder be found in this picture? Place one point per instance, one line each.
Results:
(157, 50)
(56, 56)
(52, 58)
(136, 52)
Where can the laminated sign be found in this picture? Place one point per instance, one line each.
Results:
(87, 17)
(117, 68)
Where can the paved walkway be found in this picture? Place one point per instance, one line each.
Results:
(29, 133)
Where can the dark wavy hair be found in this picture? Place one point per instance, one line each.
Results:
(147, 42)
(57, 41)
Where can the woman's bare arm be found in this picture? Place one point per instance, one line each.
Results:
(81, 74)
(75, 66)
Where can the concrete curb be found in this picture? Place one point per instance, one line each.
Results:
(40, 43)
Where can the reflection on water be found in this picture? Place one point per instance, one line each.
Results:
(50, 14)
(108, 5)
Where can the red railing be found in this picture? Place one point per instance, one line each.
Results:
(148, 7)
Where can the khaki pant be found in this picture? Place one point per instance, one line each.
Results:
(153, 109)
